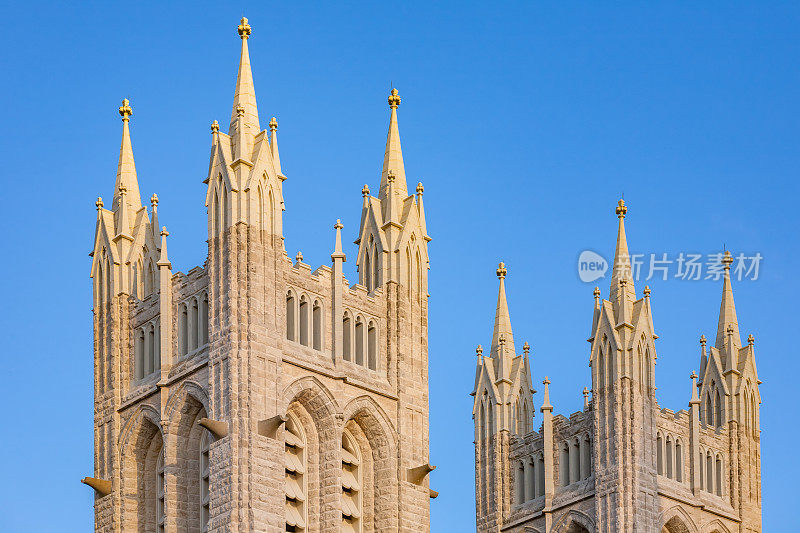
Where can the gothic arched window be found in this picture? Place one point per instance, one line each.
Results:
(316, 321)
(359, 341)
(203, 319)
(304, 320)
(183, 330)
(347, 343)
(290, 319)
(372, 346)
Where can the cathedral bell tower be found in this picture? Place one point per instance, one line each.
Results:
(623, 359)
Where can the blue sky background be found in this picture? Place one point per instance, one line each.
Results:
(525, 122)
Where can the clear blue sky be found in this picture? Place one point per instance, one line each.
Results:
(525, 123)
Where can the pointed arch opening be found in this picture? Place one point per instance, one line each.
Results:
(372, 346)
(359, 341)
(304, 320)
(290, 316)
(316, 320)
(347, 337)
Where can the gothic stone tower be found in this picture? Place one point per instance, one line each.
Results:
(254, 394)
(623, 463)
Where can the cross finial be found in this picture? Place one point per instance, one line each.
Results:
(244, 28)
(390, 176)
(164, 232)
(479, 350)
(623, 282)
(299, 257)
(751, 340)
(215, 127)
(702, 340)
(99, 203)
(596, 292)
(647, 291)
(420, 189)
(727, 260)
(125, 110)
(526, 348)
(154, 200)
(729, 329)
(585, 392)
(365, 190)
(394, 99)
(501, 270)
(273, 124)
(546, 381)
(122, 189)
(621, 210)
(338, 224)
(502, 339)
(240, 110)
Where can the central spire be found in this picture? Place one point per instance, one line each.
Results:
(245, 95)
(502, 318)
(126, 168)
(622, 277)
(393, 156)
(727, 309)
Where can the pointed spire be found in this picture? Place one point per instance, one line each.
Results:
(245, 96)
(622, 261)
(337, 247)
(154, 215)
(126, 168)
(546, 399)
(163, 260)
(727, 309)
(393, 156)
(703, 356)
(273, 145)
(502, 318)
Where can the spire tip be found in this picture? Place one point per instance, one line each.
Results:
(622, 209)
(394, 99)
(125, 110)
(244, 28)
(501, 270)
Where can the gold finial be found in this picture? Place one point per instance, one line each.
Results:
(420, 189)
(215, 127)
(394, 99)
(390, 176)
(154, 200)
(727, 259)
(546, 381)
(621, 210)
(338, 224)
(479, 350)
(647, 291)
(273, 124)
(751, 340)
(240, 110)
(526, 348)
(164, 232)
(693, 375)
(244, 28)
(702, 340)
(365, 190)
(99, 203)
(596, 292)
(501, 270)
(299, 257)
(125, 110)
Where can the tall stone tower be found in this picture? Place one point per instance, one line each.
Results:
(623, 463)
(254, 393)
